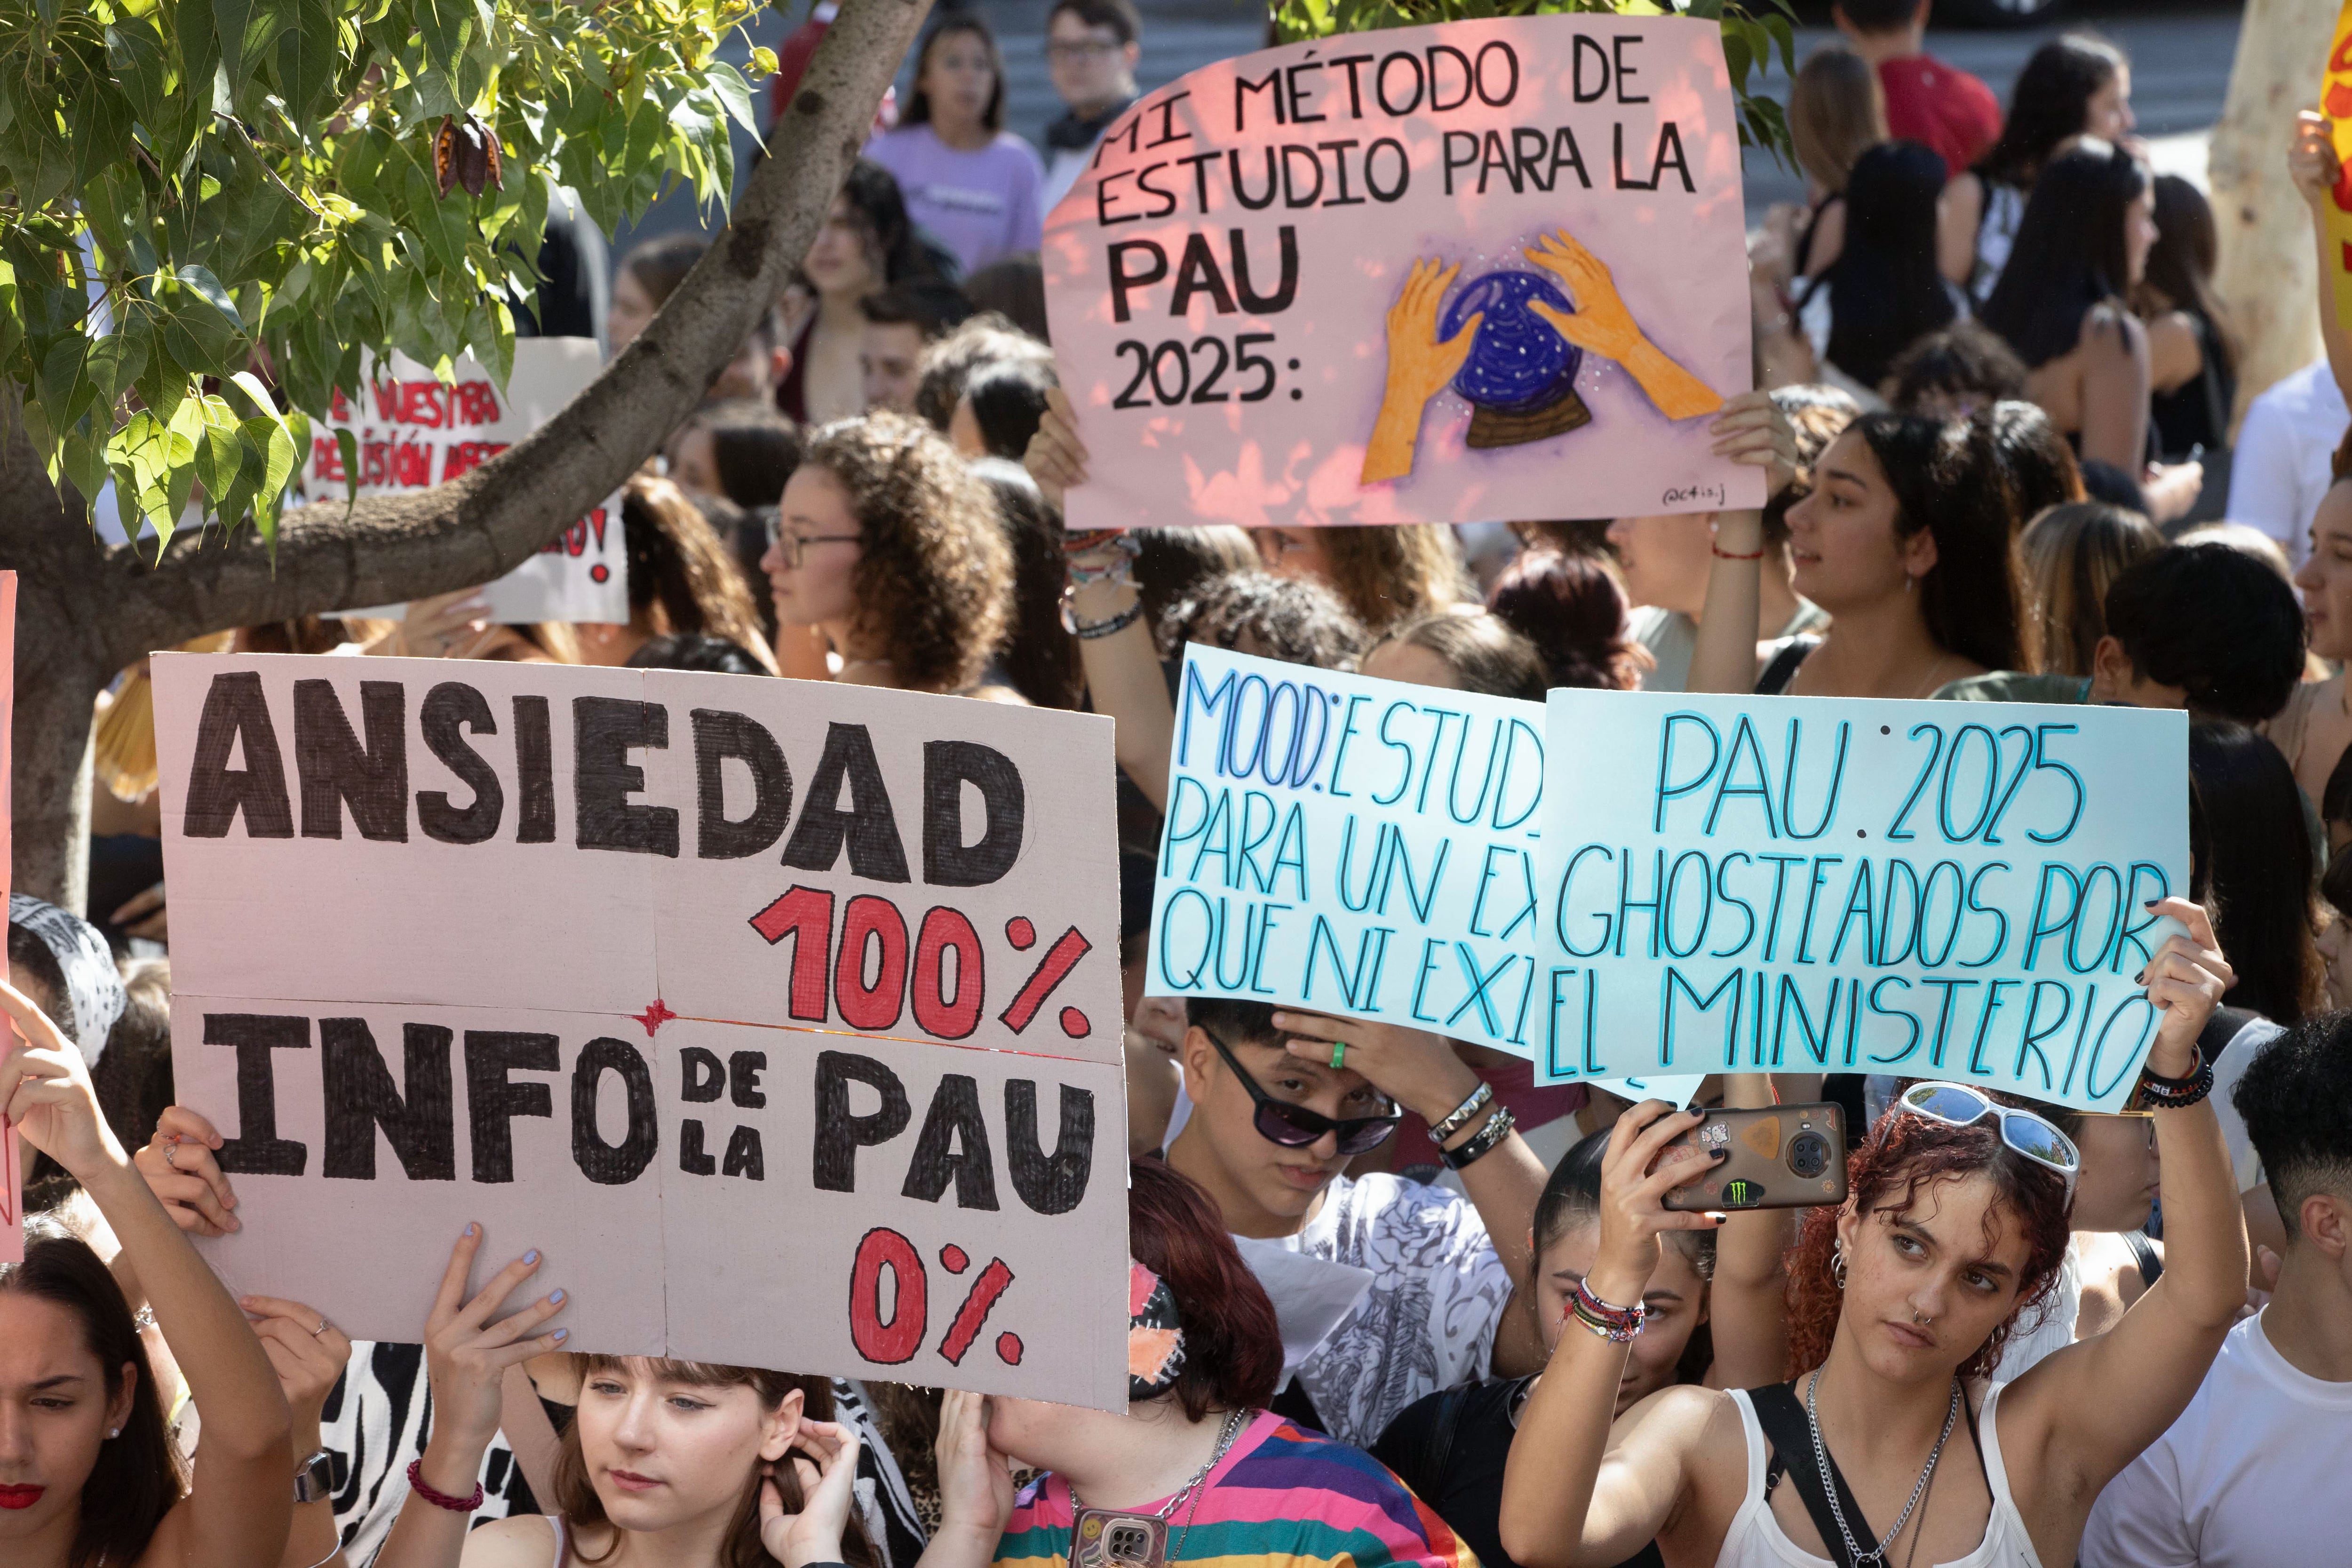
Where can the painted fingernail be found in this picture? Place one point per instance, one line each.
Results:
(562, 1334)
(531, 1257)
(2151, 903)
(556, 1300)
(469, 1229)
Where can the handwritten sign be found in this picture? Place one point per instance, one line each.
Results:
(1429, 274)
(410, 431)
(2336, 97)
(1927, 888)
(1358, 846)
(657, 962)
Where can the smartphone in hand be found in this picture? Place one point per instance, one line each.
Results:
(1778, 1157)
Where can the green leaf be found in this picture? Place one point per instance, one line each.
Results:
(309, 57)
(347, 444)
(208, 288)
(734, 95)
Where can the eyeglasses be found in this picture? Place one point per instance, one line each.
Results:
(1295, 1126)
(1958, 1105)
(795, 545)
(1086, 50)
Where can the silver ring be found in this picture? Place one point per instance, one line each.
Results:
(170, 1149)
(321, 1327)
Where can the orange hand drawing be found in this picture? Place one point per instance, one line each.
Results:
(1602, 325)
(1418, 366)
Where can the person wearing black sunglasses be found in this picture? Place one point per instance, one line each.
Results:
(1282, 1102)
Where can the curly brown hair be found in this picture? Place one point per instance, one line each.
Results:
(934, 582)
(1905, 1156)
(682, 577)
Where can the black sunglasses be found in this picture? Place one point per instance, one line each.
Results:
(1295, 1126)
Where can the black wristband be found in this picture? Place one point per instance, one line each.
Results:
(2158, 1092)
(1482, 1143)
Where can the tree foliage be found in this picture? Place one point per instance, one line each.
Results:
(194, 191)
(1750, 34)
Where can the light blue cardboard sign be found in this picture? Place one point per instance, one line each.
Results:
(1356, 847)
(1940, 890)
(1674, 1088)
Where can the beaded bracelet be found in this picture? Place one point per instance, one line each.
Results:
(1087, 631)
(1616, 1324)
(1482, 1143)
(2162, 1093)
(1460, 1116)
(441, 1500)
(1086, 539)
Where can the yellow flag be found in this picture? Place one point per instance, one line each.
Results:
(2335, 103)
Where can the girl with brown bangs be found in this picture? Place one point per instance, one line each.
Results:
(678, 1463)
(1899, 1302)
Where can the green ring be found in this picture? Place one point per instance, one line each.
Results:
(1338, 1053)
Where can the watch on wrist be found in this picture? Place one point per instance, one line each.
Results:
(314, 1479)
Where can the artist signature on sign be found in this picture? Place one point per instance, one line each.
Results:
(1676, 495)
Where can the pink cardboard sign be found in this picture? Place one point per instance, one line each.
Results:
(1482, 269)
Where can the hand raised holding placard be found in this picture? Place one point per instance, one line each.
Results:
(1056, 458)
(184, 1176)
(44, 1090)
(465, 1353)
(2186, 980)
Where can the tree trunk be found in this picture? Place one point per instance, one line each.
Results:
(85, 611)
(2266, 276)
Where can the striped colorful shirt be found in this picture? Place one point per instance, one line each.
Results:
(1282, 1496)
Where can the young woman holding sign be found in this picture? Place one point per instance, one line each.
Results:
(672, 1462)
(89, 1474)
(1908, 542)
(1899, 1301)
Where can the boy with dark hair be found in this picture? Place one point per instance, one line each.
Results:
(1926, 101)
(1281, 1101)
(2207, 628)
(900, 322)
(2242, 1479)
(1091, 50)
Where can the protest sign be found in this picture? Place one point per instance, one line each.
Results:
(548, 865)
(1925, 888)
(2336, 97)
(1432, 274)
(1358, 846)
(408, 431)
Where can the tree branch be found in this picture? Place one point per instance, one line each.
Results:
(334, 556)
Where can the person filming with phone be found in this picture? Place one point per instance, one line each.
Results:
(1900, 1299)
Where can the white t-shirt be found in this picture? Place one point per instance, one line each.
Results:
(2278, 471)
(1427, 1322)
(2244, 1479)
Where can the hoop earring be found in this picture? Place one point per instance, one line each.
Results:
(1837, 1264)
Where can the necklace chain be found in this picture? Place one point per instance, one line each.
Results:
(1225, 1435)
(1876, 1554)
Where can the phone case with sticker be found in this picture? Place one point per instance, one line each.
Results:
(1779, 1157)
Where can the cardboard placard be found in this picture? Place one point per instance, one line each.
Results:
(714, 1192)
(414, 432)
(1351, 846)
(657, 860)
(1929, 889)
(1428, 274)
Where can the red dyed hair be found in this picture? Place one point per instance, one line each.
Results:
(1904, 1154)
(1232, 1346)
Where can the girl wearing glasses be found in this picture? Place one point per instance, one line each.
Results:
(1899, 1301)
(886, 541)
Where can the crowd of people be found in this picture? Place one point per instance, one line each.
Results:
(1994, 401)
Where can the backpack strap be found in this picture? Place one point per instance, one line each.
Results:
(1437, 1442)
(1782, 1418)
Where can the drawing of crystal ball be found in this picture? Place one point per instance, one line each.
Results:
(1521, 377)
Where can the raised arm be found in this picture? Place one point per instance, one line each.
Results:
(2319, 179)
(241, 1501)
(1562, 1506)
(466, 1358)
(1751, 429)
(1122, 667)
(2090, 1408)
(1746, 1311)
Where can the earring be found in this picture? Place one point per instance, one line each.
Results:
(1909, 581)
(1837, 1263)
(114, 1431)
